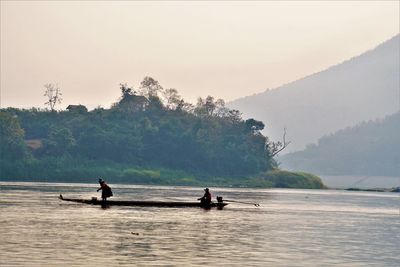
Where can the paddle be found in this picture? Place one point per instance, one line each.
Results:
(255, 204)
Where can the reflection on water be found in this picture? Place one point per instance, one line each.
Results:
(290, 228)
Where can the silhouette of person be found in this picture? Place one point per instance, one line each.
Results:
(205, 200)
(105, 190)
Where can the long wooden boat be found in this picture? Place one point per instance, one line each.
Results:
(95, 201)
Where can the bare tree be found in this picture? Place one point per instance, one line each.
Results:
(277, 147)
(53, 94)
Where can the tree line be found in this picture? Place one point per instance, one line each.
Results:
(149, 127)
(370, 148)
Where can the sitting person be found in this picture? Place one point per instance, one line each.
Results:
(206, 199)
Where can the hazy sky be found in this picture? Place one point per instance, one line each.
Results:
(225, 49)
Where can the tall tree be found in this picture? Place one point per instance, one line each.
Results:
(171, 98)
(53, 94)
(150, 87)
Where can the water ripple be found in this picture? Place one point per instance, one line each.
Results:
(291, 228)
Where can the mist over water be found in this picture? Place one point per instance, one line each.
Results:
(290, 228)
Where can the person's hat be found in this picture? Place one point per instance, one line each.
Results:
(101, 181)
(206, 189)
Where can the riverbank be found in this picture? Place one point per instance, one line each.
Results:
(125, 174)
(393, 189)
(360, 182)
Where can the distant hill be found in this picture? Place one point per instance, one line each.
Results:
(371, 148)
(360, 89)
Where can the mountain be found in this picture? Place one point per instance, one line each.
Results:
(360, 89)
(370, 148)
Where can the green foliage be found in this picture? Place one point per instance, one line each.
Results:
(12, 146)
(253, 125)
(59, 142)
(151, 137)
(286, 179)
(370, 148)
(13, 152)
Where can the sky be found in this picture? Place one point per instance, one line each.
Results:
(227, 49)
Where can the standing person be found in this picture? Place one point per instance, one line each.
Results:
(105, 190)
(206, 199)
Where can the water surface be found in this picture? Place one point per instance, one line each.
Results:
(290, 228)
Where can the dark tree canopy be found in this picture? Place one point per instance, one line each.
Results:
(152, 128)
(12, 146)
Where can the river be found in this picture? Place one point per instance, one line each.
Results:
(290, 228)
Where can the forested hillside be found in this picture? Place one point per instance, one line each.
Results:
(370, 148)
(148, 136)
(362, 88)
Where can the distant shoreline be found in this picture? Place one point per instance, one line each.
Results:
(361, 182)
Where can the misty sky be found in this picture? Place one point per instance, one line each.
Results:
(225, 49)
